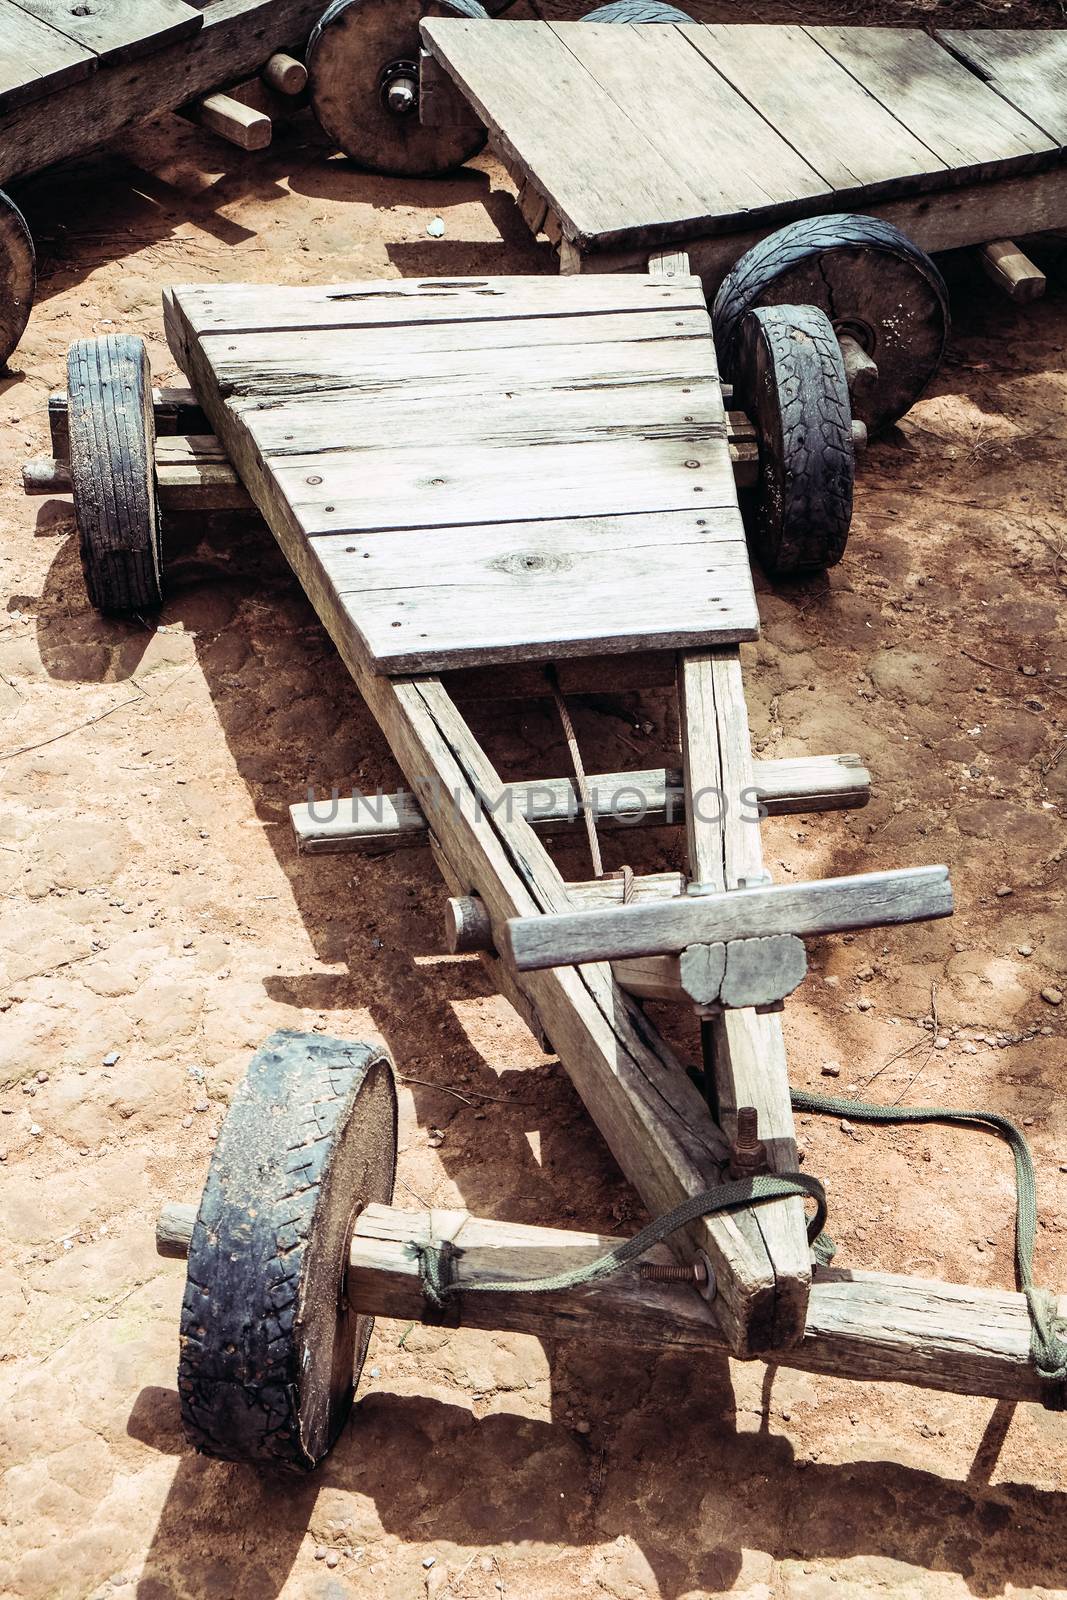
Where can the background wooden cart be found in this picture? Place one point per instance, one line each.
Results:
(622, 139)
(72, 77)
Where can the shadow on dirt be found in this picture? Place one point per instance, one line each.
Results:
(427, 1471)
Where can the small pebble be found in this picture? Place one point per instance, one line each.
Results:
(375, 1372)
(1004, 889)
(42, 1077)
(332, 1559)
(35, 1131)
(1025, 949)
(111, 1057)
(831, 1069)
(429, 1561)
(203, 1104)
(320, 1552)
(436, 228)
(1054, 997)
(3, 1155)
(582, 1426)
(941, 1042)
(864, 1005)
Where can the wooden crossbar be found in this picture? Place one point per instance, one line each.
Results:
(873, 1326)
(834, 905)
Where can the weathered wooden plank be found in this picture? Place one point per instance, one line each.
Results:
(419, 415)
(876, 1327)
(748, 1055)
(541, 106)
(840, 129)
(472, 484)
(35, 58)
(272, 308)
(115, 30)
(957, 116)
(551, 805)
(236, 38)
(830, 905)
(650, 1115)
(427, 599)
(192, 474)
(1028, 67)
(726, 153)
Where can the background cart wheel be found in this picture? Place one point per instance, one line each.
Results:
(270, 1348)
(362, 61)
(636, 11)
(18, 276)
(872, 283)
(113, 471)
(790, 377)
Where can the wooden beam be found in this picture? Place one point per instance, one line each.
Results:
(652, 798)
(748, 1051)
(175, 406)
(828, 905)
(870, 1326)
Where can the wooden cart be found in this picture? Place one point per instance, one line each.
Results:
(73, 76)
(622, 139)
(485, 486)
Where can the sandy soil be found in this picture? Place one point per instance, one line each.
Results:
(157, 925)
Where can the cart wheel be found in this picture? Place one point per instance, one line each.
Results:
(271, 1350)
(362, 60)
(636, 11)
(18, 276)
(113, 471)
(871, 281)
(791, 380)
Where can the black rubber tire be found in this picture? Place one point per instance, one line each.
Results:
(870, 279)
(270, 1348)
(636, 11)
(18, 276)
(790, 378)
(347, 51)
(113, 472)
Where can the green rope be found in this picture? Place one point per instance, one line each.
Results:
(1048, 1338)
(435, 1262)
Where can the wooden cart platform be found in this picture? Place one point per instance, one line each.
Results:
(488, 470)
(622, 139)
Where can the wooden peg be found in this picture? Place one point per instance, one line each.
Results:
(1012, 271)
(285, 74)
(467, 925)
(240, 125)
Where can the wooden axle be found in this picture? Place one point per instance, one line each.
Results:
(192, 474)
(871, 1326)
(652, 798)
(831, 905)
(285, 74)
(238, 124)
(1012, 271)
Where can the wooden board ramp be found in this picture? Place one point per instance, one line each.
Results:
(704, 131)
(488, 470)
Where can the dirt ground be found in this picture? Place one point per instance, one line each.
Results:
(157, 925)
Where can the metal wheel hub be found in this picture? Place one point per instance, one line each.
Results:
(398, 85)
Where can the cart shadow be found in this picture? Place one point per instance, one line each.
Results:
(424, 1472)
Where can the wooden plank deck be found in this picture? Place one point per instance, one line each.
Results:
(693, 131)
(491, 470)
(47, 45)
(35, 58)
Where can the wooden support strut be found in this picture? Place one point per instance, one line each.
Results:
(651, 798)
(870, 1326)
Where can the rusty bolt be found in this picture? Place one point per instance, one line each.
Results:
(673, 1272)
(748, 1154)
